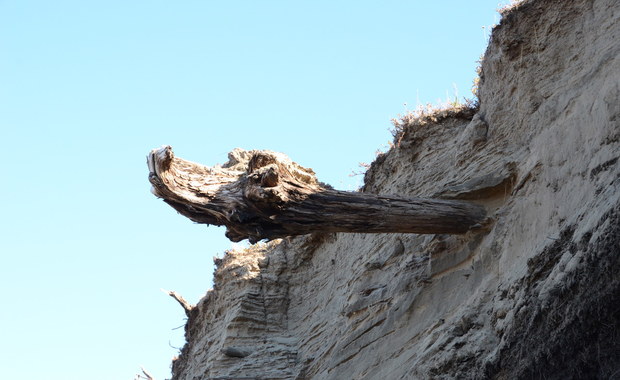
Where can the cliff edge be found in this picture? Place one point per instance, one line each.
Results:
(535, 294)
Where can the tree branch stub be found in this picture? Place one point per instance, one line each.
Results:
(261, 194)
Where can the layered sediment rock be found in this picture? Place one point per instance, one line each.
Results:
(535, 295)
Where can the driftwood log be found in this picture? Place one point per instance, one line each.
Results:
(264, 195)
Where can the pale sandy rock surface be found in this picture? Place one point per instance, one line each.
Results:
(534, 295)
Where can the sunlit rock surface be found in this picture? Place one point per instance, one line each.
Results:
(535, 295)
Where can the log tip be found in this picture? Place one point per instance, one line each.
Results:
(159, 159)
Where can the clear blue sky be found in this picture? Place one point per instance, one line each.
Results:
(88, 88)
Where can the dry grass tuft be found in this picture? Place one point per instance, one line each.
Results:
(430, 114)
(510, 6)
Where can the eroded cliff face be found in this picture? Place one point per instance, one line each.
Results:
(535, 294)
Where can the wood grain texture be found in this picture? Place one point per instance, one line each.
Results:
(264, 195)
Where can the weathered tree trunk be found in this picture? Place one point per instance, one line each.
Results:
(264, 195)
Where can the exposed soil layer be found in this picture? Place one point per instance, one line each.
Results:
(575, 333)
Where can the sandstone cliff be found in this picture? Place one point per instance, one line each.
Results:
(534, 295)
